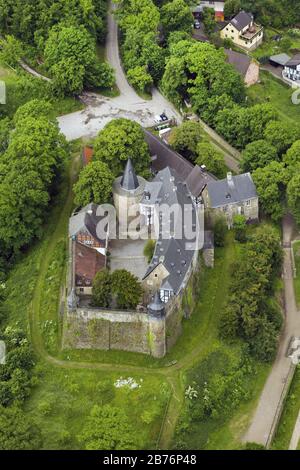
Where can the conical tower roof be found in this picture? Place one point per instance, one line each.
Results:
(157, 307)
(129, 180)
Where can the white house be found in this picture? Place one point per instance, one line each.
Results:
(243, 32)
(292, 69)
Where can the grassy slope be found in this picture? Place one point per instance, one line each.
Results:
(296, 248)
(62, 399)
(289, 416)
(278, 94)
(75, 384)
(212, 299)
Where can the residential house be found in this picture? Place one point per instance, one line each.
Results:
(88, 251)
(231, 196)
(247, 67)
(292, 69)
(217, 6)
(243, 31)
(88, 262)
(83, 228)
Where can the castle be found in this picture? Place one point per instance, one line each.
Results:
(169, 209)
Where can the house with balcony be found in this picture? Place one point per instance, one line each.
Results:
(243, 31)
(233, 195)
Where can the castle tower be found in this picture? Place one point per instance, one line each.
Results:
(157, 327)
(129, 181)
(128, 191)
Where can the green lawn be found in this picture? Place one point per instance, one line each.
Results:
(296, 249)
(275, 92)
(289, 416)
(63, 399)
(225, 433)
(270, 47)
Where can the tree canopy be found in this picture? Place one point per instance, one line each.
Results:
(29, 170)
(198, 71)
(212, 158)
(249, 313)
(185, 138)
(119, 140)
(94, 184)
(70, 55)
(17, 432)
(108, 427)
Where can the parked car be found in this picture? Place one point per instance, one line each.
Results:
(159, 118)
(197, 24)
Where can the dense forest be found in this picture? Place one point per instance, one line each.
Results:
(276, 13)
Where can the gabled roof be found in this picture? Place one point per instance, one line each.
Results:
(88, 262)
(241, 62)
(295, 60)
(281, 59)
(129, 181)
(241, 20)
(163, 156)
(173, 250)
(231, 190)
(86, 220)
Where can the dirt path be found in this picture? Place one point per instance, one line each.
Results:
(33, 72)
(266, 414)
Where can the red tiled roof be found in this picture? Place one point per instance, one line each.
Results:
(219, 15)
(88, 262)
(87, 155)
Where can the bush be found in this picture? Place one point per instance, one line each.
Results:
(239, 227)
(220, 230)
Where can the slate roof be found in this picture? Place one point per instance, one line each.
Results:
(156, 307)
(280, 59)
(173, 250)
(239, 188)
(86, 220)
(197, 180)
(129, 181)
(240, 62)
(88, 262)
(163, 157)
(295, 60)
(241, 20)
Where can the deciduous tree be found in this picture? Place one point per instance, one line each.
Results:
(94, 184)
(119, 140)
